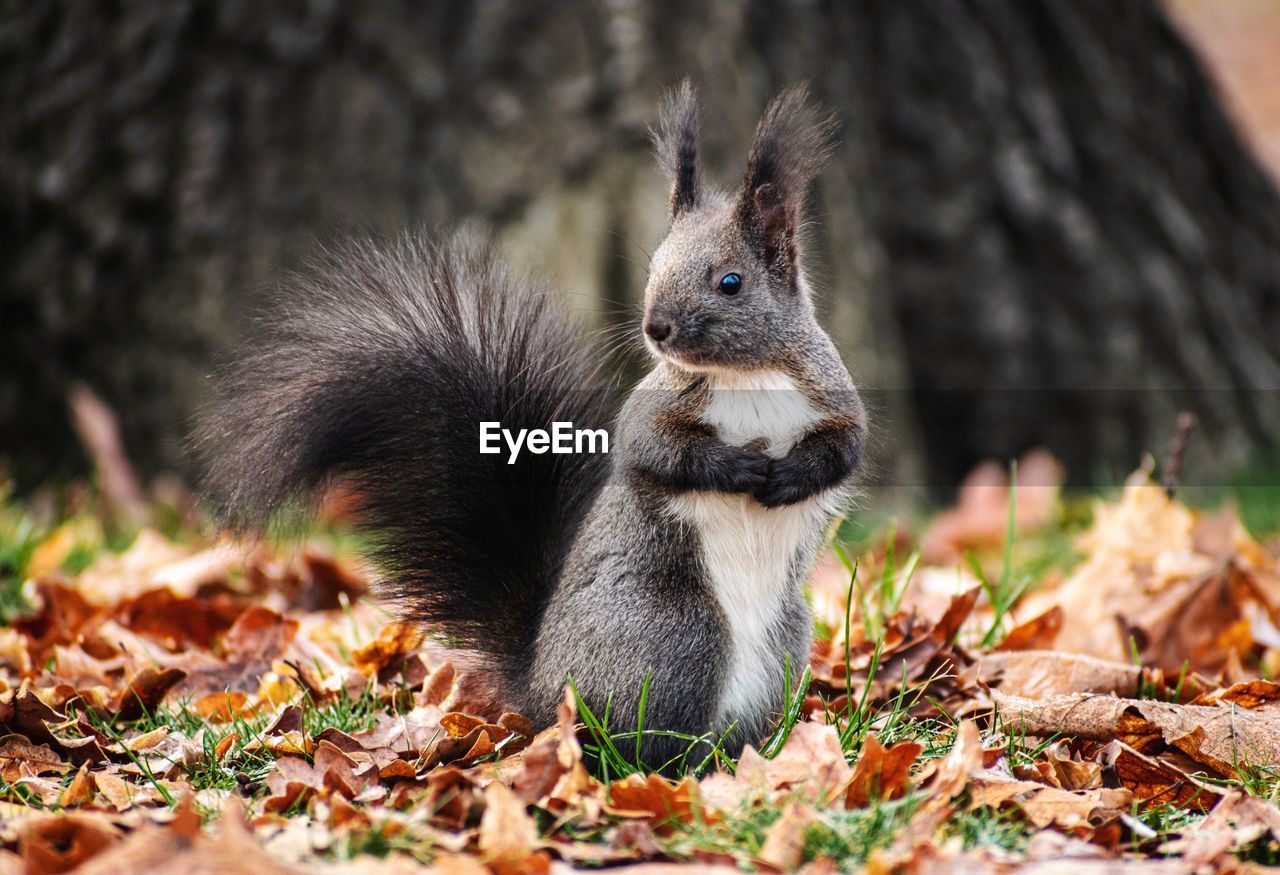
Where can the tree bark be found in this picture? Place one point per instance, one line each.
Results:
(1040, 228)
(1078, 244)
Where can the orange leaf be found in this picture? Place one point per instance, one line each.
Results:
(393, 642)
(656, 798)
(1035, 634)
(221, 707)
(881, 773)
(80, 790)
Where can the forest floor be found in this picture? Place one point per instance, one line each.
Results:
(1025, 682)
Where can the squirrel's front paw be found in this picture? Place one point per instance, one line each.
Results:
(745, 469)
(783, 486)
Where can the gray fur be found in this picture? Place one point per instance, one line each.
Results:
(683, 557)
(637, 595)
(676, 144)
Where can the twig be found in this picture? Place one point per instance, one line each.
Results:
(99, 431)
(1177, 452)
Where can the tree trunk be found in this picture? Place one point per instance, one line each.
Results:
(1040, 229)
(1078, 245)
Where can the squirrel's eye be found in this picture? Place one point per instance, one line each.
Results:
(731, 283)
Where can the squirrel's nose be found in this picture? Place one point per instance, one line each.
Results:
(658, 329)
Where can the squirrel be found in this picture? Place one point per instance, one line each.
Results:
(666, 574)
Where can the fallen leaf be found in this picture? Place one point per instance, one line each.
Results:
(182, 848)
(1156, 782)
(1049, 806)
(811, 762)
(508, 836)
(63, 617)
(980, 518)
(144, 692)
(61, 842)
(656, 798)
(222, 707)
(1236, 822)
(20, 758)
(328, 582)
(1071, 773)
(1250, 694)
(1035, 634)
(784, 841)
(393, 643)
(952, 775)
(251, 646)
(438, 686)
(881, 773)
(1151, 574)
(178, 621)
(1225, 738)
(80, 791)
(1039, 674)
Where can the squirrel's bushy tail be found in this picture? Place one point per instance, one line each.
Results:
(375, 371)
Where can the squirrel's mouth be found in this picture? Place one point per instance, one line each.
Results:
(689, 360)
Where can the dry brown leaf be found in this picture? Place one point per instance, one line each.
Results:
(122, 794)
(1069, 772)
(1049, 806)
(80, 791)
(550, 772)
(1201, 622)
(13, 651)
(61, 842)
(1236, 821)
(151, 563)
(394, 642)
(73, 665)
(221, 707)
(460, 725)
(881, 773)
(980, 517)
(19, 758)
(63, 617)
(1155, 781)
(1152, 574)
(147, 740)
(327, 581)
(1223, 738)
(181, 848)
(952, 775)
(659, 800)
(1038, 674)
(177, 621)
(1035, 634)
(251, 646)
(811, 762)
(438, 685)
(144, 692)
(508, 835)
(345, 817)
(1250, 694)
(332, 771)
(784, 841)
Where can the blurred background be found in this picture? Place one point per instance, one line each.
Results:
(1051, 223)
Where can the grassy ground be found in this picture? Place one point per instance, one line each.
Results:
(155, 678)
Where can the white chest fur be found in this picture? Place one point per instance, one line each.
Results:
(766, 405)
(754, 555)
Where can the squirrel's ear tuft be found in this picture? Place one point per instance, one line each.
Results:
(792, 143)
(676, 142)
